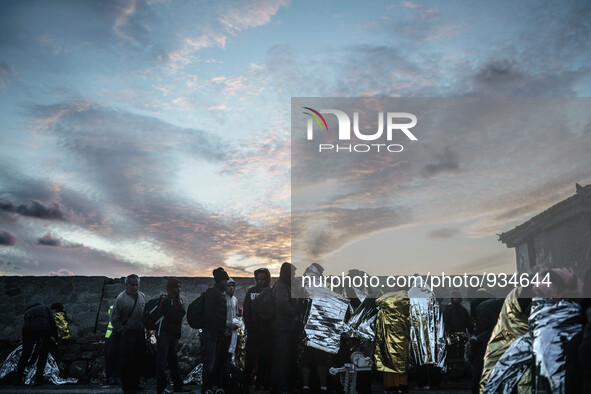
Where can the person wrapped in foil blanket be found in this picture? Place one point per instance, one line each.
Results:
(512, 324)
(427, 332)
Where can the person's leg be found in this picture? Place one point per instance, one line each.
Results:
(173, 364)
(27, 349)
(44, 344)
(162, 354)
(264, 357)
(208, 353)
(125, 351)
(249, 358)
(139, 351)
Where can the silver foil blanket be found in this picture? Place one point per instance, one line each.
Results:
(325, 319)
(511, 366)
(196, 375)
(427, 335)
(363, 321)
(553, 325)
(51, 372)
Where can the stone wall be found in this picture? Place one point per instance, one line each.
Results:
(86, 301)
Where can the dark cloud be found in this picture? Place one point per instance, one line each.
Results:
(443, 233)
(7, 239)
(48, 240)
(36, 209)
(445, 162)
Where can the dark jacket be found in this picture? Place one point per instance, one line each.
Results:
(249, 319)
(456, 318)
(38, 318)
(285, 306)
(172, 316)
(215, 310)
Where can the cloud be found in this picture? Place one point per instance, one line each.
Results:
(251, 14)
(62, 272)
(445, 162)
(36, 209)
(443, 233)
(7, 239)
(48, 240)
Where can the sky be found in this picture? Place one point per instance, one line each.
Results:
(154, 137)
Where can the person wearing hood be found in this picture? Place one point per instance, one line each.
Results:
(258, 330)
(172, 311)
(214, 328)
(284, 328)
(39, 330)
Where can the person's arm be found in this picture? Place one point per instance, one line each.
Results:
(246, 308)
(116, 316)
(52, 325)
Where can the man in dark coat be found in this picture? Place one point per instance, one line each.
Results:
(486, 314)
(38, 329)
(172, 311)
(214, 327)
(284, 329)
(126, 317)
(258, 352)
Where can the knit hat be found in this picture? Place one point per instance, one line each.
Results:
(171, 284)
(219, 275)
(231, 281)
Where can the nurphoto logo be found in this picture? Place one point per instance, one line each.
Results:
(395, 122)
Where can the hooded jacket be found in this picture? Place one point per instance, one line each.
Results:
(251, 294)
(215, 310)
(172, 310)
(285, 308)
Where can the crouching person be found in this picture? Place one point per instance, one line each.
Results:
(172, 311)
(39, 330)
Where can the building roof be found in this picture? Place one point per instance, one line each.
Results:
(575, 205)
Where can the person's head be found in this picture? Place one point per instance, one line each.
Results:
(287, 272)
(56, 307)
(456, 297)
(173, 288)
(221, 278)
(230, 287)
(262, 277)
(132, 284)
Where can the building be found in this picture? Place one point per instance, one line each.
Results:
(559, 237)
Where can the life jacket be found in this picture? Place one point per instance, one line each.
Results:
(110, 326)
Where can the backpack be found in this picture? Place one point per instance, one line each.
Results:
(196, 312)
(152, 317)
(263, 306)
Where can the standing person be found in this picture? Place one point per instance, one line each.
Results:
(284, 329)
(112, 358)
(258, 330)
(172, 311)
(214, 328)
(126, 317)
(230, 335)
(39, 330)
(427, 349)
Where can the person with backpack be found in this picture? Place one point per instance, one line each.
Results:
(257, 321)
(168, 333)
(39, 330)
(214, 328)
(284, 326)
(126, 317)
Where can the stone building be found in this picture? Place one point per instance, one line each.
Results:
(559, 237)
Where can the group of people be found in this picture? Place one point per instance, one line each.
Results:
(277, 320)
(408, 328)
